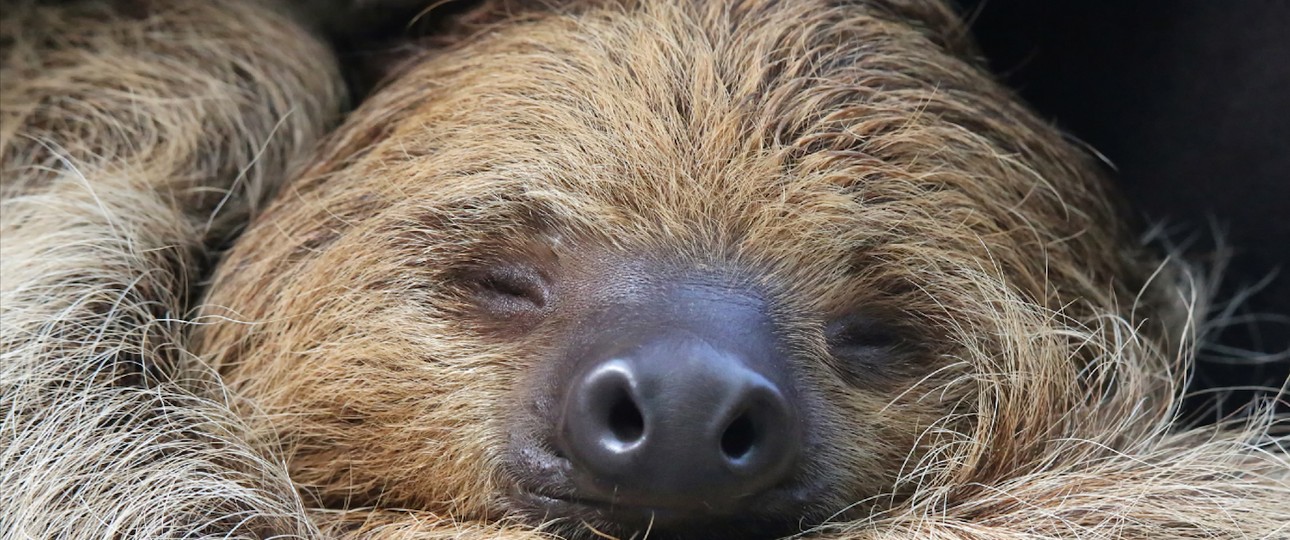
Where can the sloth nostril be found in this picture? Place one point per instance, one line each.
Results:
(739, 438)
(625, 419)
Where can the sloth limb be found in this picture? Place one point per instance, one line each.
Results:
(131, 140)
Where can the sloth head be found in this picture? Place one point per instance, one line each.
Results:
(698, 267)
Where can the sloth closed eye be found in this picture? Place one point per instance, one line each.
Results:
(858, 334)
(510, 290)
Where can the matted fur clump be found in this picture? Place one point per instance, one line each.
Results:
(338, 377)
(131, 140)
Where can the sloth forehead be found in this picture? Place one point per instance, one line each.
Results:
(694, 132)
(879, 146)
(522, 153)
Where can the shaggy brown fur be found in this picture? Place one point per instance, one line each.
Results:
(131, 139)
(834, 155)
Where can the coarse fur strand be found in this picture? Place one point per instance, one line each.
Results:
(134, 137)
(128, 155)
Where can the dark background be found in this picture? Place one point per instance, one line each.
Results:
(1190, 100)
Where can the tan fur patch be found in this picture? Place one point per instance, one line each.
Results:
(833, 155)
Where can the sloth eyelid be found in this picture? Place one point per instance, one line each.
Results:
(861, 337)
(511, 290)
(868, 351)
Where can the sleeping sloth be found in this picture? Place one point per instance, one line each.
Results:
(683, 269)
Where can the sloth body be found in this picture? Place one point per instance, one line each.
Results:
(516, 289)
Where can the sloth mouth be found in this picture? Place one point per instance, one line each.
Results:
(542, 494)
(617, 510)
(576, 517)
(549, 491)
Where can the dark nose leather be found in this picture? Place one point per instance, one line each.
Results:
(683, 411)
(679, 422)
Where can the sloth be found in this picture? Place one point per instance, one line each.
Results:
(667, 269)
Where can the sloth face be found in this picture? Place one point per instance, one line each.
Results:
(699, 271)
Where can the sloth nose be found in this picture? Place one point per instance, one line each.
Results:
(678, 423)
